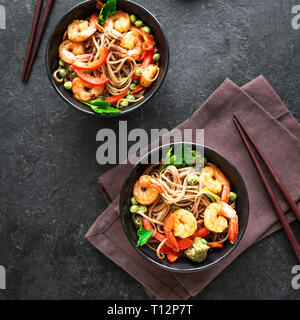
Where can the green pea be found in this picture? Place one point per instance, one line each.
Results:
(133, 201)
(139, 23)
(147, 29)
(62, 73)
(71, 69)
(73, 75)
(134, 209)
(130, 97)
(124, 103)
(61, 63)
(68, 85)
(132, 86)
(156, 56)
(232, 196)
(142, 209)
(138, 72)
(133, 18)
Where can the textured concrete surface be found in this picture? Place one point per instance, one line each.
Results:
(48, 167)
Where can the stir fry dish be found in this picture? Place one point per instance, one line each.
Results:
(108, 60)
(184, 209)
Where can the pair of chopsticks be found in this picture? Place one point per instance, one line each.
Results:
(246, 135)
(34, 42)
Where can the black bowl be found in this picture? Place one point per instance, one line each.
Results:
(85, 9)
(185, 265)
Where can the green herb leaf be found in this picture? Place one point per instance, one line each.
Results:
(102, 109)
(144, 236)
(99, 103)
(109, 8)
(167, 160)
(182, 156)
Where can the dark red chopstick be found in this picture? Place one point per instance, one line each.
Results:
(38, 40)
(37, 14)
(273, 173)
(280, 213)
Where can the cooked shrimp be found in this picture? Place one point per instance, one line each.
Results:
(80, 30)
(148, 75)
(117, 24)
(214, 179)
(68, 51)
(216, 216)
(133, 42)
(146, 190)
(180, 223)
(85, 92)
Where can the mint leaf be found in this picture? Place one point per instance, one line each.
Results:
(109, 8)
(144, 236)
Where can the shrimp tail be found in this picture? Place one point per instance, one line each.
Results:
(225, 193)
(168, 227)
(233, 230)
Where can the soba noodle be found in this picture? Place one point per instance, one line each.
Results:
(178, 193)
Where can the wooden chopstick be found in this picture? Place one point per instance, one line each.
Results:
(273, 173)
(37, 14)
(43, 24)
(280, 213)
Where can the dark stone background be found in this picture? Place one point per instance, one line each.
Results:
(48, 169)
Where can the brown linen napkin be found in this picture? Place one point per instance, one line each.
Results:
(276, 132)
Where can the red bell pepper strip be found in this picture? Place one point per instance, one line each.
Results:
(94, 65)
(114, 99)
(147, 59)
(167, 250)
(148, 226)
(185, 243)
(201, 233)
(93, 81)
(215, 245)
(182, 243)
(137, 89)
(172, 257)
(135, 77)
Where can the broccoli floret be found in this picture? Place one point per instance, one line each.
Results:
(198, 251)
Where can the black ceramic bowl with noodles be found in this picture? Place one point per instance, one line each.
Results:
(84, 10)
(182, 264)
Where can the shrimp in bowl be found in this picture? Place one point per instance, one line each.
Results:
(184, 220)
(112, 48)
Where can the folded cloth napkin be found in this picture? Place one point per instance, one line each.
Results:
(276, 132)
